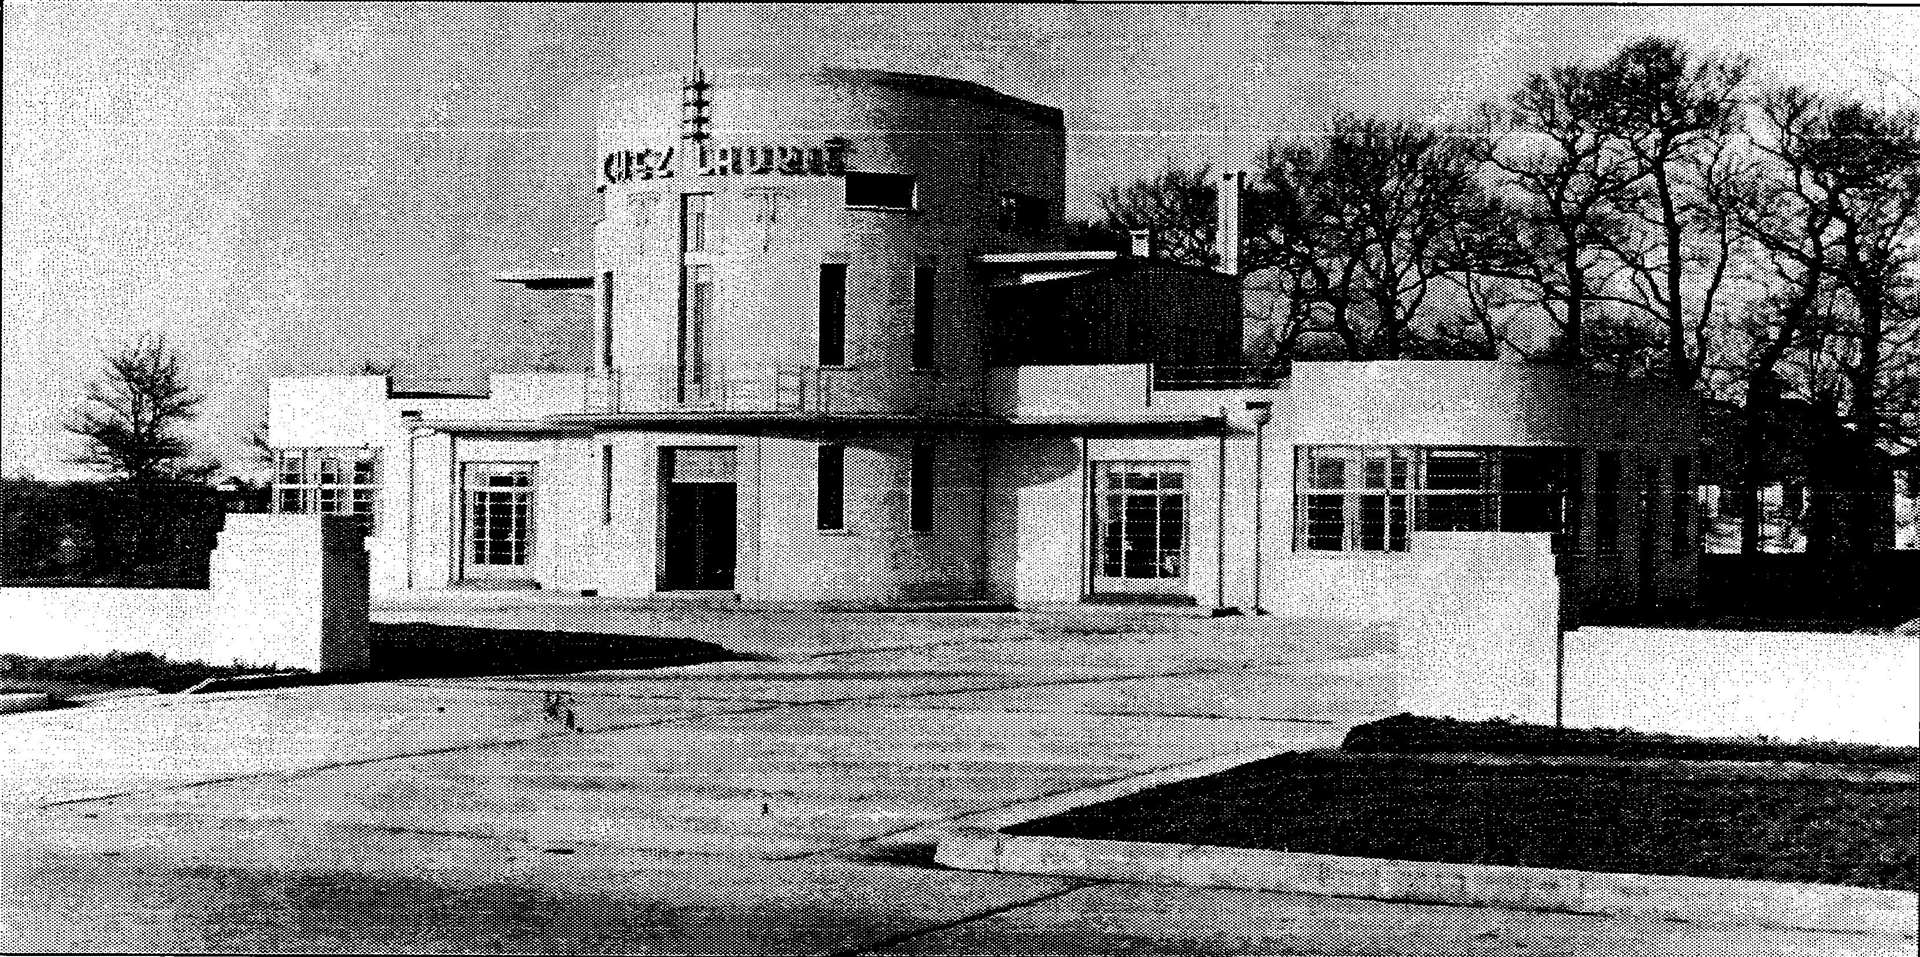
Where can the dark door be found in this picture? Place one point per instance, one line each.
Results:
(699, 521)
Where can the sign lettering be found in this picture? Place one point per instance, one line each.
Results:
(827, 159)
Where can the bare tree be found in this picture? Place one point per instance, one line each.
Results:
(1178, 205)
(1835, 204)
(1367, 225)
(1559, 147)
(130, 419)
(1675, 116)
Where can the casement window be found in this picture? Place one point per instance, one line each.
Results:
(499, 513)
(1606, 502)
(923, 332)
(833, 314)
(1355, 499)
(327, 482)
(1140, 526)
(830, 502)
(889, 191)
(920, 489)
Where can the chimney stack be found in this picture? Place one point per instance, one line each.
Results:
(1227, 232)
(1142, 242)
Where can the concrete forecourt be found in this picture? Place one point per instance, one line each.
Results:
(771, 806)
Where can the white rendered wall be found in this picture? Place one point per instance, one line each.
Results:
(286, 590)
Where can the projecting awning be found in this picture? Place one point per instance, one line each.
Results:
(1023, 269)
(500, 426)
(547, 279)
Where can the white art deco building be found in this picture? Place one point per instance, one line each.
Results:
(839, 362)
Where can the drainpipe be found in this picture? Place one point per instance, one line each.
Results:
(1220, 524)
(1261, 412)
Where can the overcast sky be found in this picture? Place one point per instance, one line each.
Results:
(295, 187)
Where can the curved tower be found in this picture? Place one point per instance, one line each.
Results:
(805, 243)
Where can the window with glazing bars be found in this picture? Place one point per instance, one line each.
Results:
(499, 513)
(1367, 499)
(327, 482)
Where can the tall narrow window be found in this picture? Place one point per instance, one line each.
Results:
(833, 314)
(1606, 502)
(694, 210)
(606, 320)
(606, 485)
(697, 315)
(830, 506)
(696, 295)
(923, 339)
(1682, 505)
(920, 489)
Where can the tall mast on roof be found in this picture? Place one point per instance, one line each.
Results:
(694, 103)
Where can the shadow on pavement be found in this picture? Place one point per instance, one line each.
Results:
(416, 650)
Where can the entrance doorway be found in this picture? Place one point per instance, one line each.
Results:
(699, 519)
(1140, 528)
(496, 521)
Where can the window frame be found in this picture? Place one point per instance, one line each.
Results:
(349, 486)
(1385, 493)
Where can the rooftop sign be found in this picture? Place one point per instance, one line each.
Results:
(827, 159)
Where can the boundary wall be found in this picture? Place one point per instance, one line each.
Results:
(287, 591)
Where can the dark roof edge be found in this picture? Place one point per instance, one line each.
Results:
(946, 86)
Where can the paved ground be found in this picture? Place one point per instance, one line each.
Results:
(783, 806)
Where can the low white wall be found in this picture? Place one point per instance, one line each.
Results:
(1791, 685)
(1479, 612)
(1479, 633)
(287, 590)
(51, 622)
